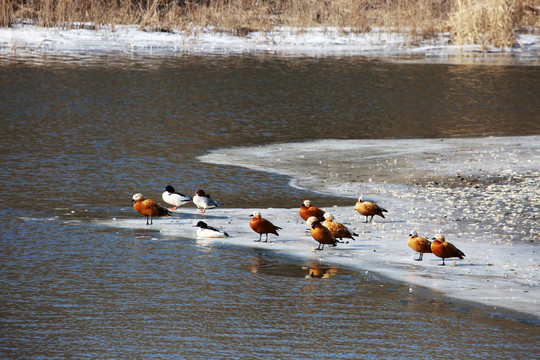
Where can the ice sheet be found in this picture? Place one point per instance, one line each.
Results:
(483, 194)
(502, 276)
(491, 215)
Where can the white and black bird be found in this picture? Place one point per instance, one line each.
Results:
(170, 196)
(203, 201)
(206, 231)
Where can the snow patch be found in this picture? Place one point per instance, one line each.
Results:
(28, 39)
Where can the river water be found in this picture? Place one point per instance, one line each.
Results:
(80, 135)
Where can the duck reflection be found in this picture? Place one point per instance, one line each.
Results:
(318, 270)
(261, 264)
(257, 263)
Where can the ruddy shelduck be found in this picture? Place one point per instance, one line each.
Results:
(148, 207)
(320, 233)
(338, 230)
(419, 244)
(262, 226)
(170, 196)
(444, 249)
(369, 208)
(203, 201)
(307, 210)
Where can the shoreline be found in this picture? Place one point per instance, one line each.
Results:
(313, 42)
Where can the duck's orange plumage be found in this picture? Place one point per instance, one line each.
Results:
(444, 249)
(369, 208)
(262, 226)
(148, 207)
(307, 210)
(320, 233)
(419, 244)
(338, 230)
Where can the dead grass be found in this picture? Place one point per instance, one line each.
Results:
(485, 22)
(491, 22)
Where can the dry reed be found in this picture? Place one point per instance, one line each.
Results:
(485, 22)
(491, 22)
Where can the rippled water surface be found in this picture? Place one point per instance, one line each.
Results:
(81, 135)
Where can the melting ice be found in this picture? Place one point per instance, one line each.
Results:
(481, 193)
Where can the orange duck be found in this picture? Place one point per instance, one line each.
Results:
(444, 249)
(419, 244)
(148, 207)
(338, 230)
(262, 226)
(320, 233)
(306, 211)
(369, 208)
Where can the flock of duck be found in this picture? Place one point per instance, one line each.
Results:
(323, 228)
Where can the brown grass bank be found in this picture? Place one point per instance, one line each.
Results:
(485, 22)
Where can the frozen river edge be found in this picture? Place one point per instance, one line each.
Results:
(502, 264)
(33, 41)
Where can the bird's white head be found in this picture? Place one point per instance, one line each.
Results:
(256, 214)
(307, 203)
(440, 238)
(413, 234)
(328, 216)
(137, 197)
(311, 220)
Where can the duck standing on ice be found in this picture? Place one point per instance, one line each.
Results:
(203, 201)
(369, 208)
(174, 198)
(320, 233)
(307, 210)
(148, 207)
(206, 231)
(262, 226)
(444, 249)
(338, 230)
(419, 244)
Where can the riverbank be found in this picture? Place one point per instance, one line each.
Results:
(483, 22)
(285, 41)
